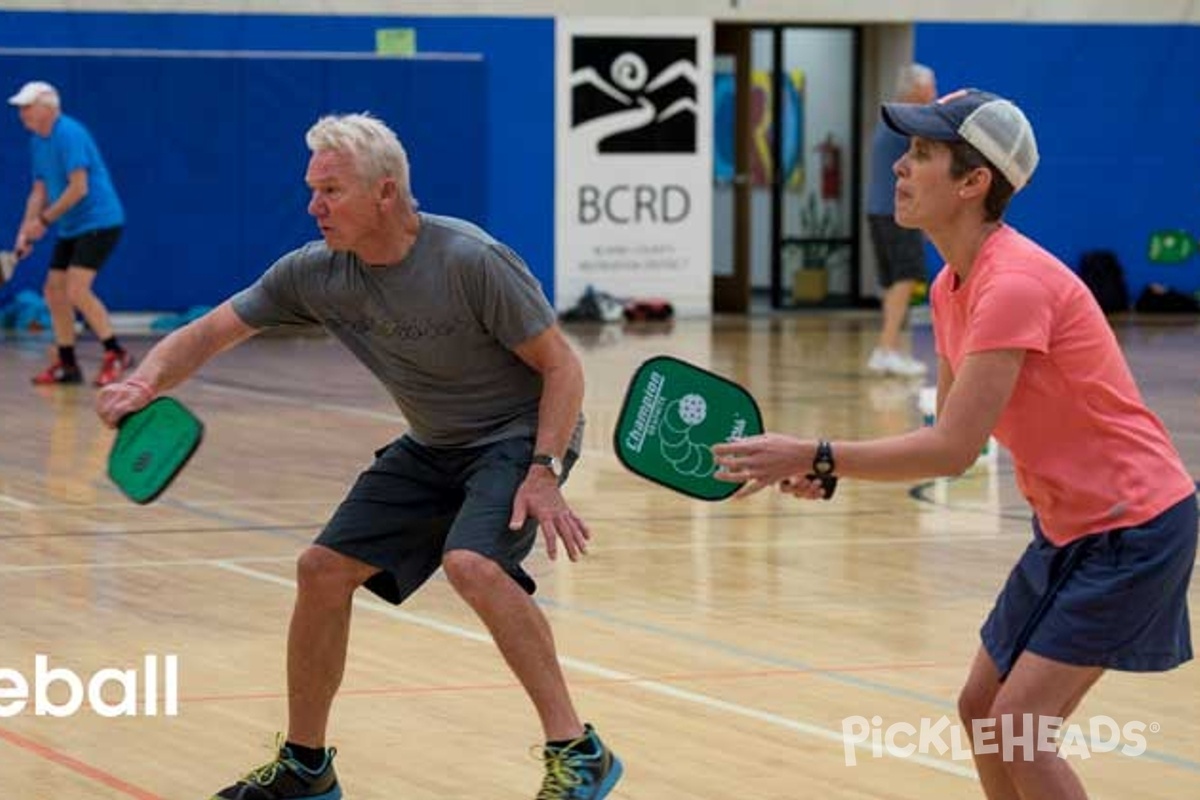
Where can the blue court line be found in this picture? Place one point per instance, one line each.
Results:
(743, 653)
(695, 639)
(787, 663)
(703, 641)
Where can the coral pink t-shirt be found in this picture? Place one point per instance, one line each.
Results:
(1089, 455)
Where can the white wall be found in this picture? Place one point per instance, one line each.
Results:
(1161, 11)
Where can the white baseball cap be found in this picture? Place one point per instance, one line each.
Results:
(31, 92)
(994, 126)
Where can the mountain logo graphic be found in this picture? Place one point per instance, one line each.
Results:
(635, 95)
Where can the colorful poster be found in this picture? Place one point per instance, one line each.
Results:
(762, 165)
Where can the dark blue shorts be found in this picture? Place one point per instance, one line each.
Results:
(1116, 599)
(417, 502)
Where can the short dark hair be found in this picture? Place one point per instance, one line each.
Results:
(964, 158)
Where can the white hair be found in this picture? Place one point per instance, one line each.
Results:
(912, 76)
(375, 148)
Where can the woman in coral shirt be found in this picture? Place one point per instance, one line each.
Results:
(1026, 355)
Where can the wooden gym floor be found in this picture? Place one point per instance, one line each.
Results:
(717, 647)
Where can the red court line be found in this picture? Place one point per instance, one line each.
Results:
(77, 766)
(507, 685)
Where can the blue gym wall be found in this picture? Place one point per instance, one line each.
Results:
(1117, 110)
(1117, 114)
(514, 103)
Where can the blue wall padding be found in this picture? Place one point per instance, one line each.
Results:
(516, 180)
(1117, 114)
(209, 157)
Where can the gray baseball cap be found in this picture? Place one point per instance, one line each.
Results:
(992, 125)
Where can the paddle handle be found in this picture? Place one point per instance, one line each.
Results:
(146, 389)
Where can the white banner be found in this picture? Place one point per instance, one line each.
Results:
(634, 160)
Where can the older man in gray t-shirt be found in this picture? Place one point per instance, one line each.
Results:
(457, 329)
(437, 329)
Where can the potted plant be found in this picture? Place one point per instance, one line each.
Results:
(810, 274)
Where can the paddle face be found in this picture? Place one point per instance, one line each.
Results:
(153, 444)
(672, 415)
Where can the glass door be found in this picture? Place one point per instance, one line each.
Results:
(817, 204)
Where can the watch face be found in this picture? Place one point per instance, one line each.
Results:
(550, 462)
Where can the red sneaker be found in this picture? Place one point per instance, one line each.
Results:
(57, 373)
(115, 365)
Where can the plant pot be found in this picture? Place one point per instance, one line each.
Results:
(810, 285)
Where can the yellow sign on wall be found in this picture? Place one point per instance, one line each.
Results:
(396, 41)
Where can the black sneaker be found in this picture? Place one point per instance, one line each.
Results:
(582, 770)
(286, 778)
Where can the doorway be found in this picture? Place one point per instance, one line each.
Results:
(786, 196)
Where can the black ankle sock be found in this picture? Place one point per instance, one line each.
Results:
(66, 356)
(313, 758)
(583, 745)
(111, 346)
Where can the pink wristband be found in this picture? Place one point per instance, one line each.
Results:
(141, 384)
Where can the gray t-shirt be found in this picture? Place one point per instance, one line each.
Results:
(437, 328)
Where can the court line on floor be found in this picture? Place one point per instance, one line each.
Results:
(20, 505)
(505, 686)
(797, 543)
(78, 767)
(249, 502)
(836, 677)
(587, 667)
(145, 564)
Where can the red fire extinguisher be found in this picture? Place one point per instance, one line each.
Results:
(831, 169)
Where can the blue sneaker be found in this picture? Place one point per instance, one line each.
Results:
(582, 770)
(285, 778)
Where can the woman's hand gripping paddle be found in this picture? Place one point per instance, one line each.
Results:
(673, 413)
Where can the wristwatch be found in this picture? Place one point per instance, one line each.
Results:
(552, 463)
(823, 467)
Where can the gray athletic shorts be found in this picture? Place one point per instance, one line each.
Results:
(900, 252)
(416, 503)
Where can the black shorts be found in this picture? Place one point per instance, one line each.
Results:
(416, 503)
(88, 250)
(900, 252)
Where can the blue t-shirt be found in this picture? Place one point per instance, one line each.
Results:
(886, 148)
(70, 147)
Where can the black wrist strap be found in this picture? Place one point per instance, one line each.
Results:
(823, 469)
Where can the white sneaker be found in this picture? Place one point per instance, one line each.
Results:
(878, 361)
(889, 362)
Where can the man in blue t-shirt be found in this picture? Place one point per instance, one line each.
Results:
(899, 252)
(71, 189)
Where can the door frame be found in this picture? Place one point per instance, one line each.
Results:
(731, 293)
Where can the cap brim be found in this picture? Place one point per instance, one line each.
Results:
(926, 121)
